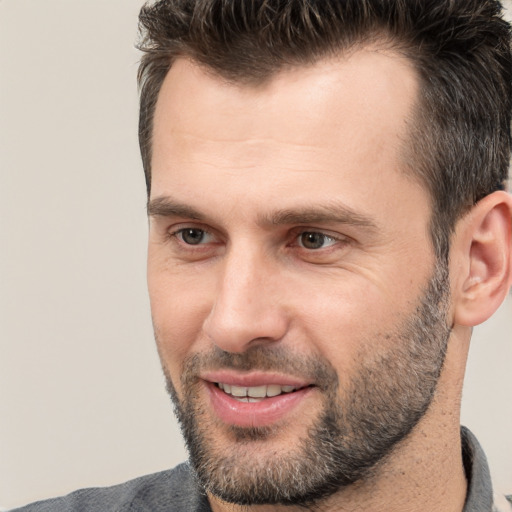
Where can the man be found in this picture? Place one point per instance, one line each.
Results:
(328, 220)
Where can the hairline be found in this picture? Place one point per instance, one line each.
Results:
(377, 40)
(418, 125)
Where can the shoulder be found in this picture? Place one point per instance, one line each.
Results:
(173, 490)
(502, 503)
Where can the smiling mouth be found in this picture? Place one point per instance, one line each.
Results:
(254, 394)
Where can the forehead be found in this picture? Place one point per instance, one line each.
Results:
(342, 121)
(371, 83)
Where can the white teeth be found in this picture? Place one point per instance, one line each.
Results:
(225, 387)
(238, 391)
(247, 399)
(273, 390)
(255, 393)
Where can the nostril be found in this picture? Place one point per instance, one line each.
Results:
(237, 331)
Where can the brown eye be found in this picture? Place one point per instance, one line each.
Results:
(192, 236)
(314, 240)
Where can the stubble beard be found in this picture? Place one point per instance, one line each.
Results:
(385, 400)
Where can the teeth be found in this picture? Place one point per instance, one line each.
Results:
(273, 390)
(255, 393)
(247, 399)
(238, 391)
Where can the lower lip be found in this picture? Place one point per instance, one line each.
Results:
(254, 414)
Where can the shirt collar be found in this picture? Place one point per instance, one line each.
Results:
(479, 494)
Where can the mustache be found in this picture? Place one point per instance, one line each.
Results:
(261, 358)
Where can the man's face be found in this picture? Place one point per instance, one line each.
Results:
(291, 274)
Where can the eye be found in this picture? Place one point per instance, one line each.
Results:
(315, 240)
(192, 236)
(192, 242)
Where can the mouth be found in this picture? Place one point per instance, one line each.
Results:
(256, 394)
(255, 401)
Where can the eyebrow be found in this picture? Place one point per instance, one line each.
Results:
(167, 207)
(333, 212)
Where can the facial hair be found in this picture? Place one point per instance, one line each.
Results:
(390, 392)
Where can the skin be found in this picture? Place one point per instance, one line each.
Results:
(231, 160)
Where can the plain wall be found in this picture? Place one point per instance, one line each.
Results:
(82, 400)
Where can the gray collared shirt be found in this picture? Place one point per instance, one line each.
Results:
(177, 490)
(479, 497)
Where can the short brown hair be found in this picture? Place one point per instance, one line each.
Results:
(460, 142)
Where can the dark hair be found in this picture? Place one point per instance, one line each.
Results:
(459, 145)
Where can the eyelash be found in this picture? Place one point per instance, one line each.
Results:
(332, 240)
(180, 232)
(319, 234)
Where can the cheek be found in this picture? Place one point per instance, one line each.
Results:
(349, 324)
(179, 307)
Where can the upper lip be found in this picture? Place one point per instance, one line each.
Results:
(254, 379)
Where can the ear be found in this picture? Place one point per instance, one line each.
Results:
(482, 259)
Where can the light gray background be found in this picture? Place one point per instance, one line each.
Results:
(82, 400)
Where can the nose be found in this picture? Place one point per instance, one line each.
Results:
(248, 309)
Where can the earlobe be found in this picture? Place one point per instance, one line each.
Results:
(485, 244)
